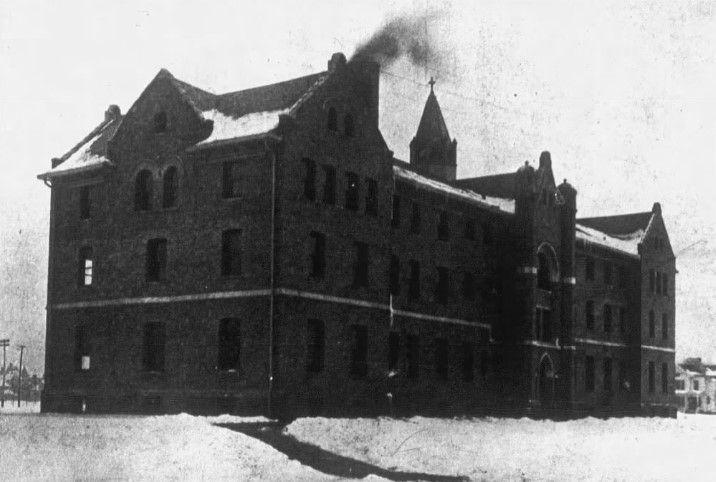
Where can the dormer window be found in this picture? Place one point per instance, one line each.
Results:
(160, 122)
(348, 128)
(332, 120)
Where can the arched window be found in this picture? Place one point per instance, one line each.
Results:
(143, 191)
(160, 122)
(543, 281)
(332, 120)
(348, 129)
(169, 192)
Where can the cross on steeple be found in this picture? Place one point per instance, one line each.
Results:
(431, 82)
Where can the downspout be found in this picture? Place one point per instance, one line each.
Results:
(272, 281)
(48, 306)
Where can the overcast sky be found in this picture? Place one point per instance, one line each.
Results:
(622, 93)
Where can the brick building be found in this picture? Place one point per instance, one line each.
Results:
(263, 250)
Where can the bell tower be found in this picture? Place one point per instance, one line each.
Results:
(432, 150)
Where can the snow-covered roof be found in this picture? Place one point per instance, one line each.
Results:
(227, 127)
(627, 243)
(249, 112)
(494, 203)
(88, 154)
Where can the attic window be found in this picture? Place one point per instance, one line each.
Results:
(160, 122)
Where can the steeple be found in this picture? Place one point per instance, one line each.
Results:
(431, 150)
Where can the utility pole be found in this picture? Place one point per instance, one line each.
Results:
(4, 344)
(19, 377)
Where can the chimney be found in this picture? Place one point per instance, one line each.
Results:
(338, 60)
(112, 113)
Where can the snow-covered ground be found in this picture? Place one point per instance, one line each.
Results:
(512, 449)
(34, 446)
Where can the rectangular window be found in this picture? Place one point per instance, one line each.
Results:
(665, 326)
(153, 347)
(85, 266)
(82, 347)
(231, 252)
(695, 384)
(544, 324)
(318, 255)
(230, 180)
(156, 265)
(607, 273)
(352, 191)
(470, 230)
(309, 179)
(395, 220)
(622, 320)
(607, 374)
(652, 324)
(486, 234)
(393, 350)
(680, 385)
(315, 344)
(665, 282)
(651, 378)
(85, 202)
(359, 352)
(394, 276)
(443, 226)
(652, 281)
(622, 377)
(442, 291)
(415, 218)
(441, 359)
(360, 267)
(413, 356)
(468, 362)
(589, 374)
(329, 186)
(589, 269)
(664, 378)
(229, 344)
(371, 197)
(589, 314)
(414, 283)
(658, 283)
(607, 318)
(468, 286)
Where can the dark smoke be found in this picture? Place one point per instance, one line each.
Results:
(400, 37)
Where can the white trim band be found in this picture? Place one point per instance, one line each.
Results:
(220, 295)
(589, 341)
(658, 348)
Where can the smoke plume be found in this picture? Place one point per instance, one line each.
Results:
(400, 37)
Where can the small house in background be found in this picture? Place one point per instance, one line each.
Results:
(696, 386)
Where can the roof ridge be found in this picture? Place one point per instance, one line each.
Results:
(266, 86)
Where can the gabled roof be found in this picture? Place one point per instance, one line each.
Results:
(248, 112)
(619, 225)
(403, 172)
(432, 124)
(498, 185)
(235, 115)
(91, 152)
(623, 232)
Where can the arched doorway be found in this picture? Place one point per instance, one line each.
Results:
(545, 382)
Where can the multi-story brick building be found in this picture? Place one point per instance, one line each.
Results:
(263, 250)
